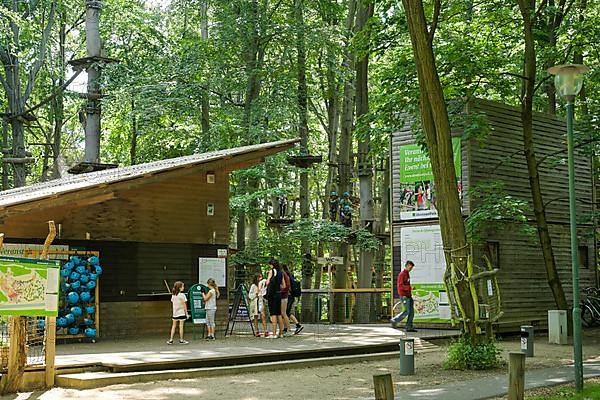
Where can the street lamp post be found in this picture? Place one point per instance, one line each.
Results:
(568, 80)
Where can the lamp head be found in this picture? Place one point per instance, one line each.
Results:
(568, 78)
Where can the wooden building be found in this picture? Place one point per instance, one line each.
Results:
(150, 222)
(525, 293)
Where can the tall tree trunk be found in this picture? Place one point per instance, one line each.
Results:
(307, 265)
(11, 82)
(254, 55)
(5, 152)
(94, 49)
(134, 133)
(529, 73)
(205, 119)
(436, 126)
(379, 229)
(58, 104)
(365, 170)
(345, 149)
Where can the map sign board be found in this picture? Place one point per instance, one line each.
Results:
(423, 245)
(29, 287)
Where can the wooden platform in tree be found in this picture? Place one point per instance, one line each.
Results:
(84, 167)
(280, 221)
(81, 63)
(304, 161)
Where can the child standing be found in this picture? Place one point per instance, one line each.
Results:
(262, 309)
(179, 301)
(210, 300)
(253, 302)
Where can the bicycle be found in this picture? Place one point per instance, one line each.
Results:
(590, 307)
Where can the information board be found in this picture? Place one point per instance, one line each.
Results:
(197, 303)
(211, 268)
(29, 287)
(418, 192)
(423, 245)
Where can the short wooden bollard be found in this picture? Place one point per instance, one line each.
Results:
(516, 376)
(384, 387)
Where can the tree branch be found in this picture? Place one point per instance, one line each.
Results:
(557, 152)
(50, 97)
(515, 75)
(42, 53)
(538, 12)
(434, 20)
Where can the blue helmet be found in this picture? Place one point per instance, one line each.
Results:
(85, 296)
(333, 193)
(72, 297)
(346, 194)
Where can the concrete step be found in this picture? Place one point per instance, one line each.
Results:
(150, 372)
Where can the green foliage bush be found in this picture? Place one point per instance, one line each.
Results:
(463, 354)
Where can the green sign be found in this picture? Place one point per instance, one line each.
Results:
(197, 303)
(417, 186)
(29, 287)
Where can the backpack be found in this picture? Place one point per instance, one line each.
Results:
(296, 288)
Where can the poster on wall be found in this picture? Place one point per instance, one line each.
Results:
(423, 246)
(211, 268)
(29, 287)
(417, 187)
(33, 250)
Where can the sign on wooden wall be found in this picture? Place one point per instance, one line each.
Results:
(211, 268)
(29, 287)
(417, 187)
(423, 246)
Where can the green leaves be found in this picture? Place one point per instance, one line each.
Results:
(463, 354)
(495, 209)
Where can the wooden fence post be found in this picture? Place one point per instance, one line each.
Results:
(384, 387)
(516, 376)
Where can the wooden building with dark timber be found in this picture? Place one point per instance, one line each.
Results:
(149, 222)
(526, 295)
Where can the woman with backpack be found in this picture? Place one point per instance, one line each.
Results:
(293, 297)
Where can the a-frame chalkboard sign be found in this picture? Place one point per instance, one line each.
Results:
(239, 310)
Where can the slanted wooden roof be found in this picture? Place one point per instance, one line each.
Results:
(55, 188)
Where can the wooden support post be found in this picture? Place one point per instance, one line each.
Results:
(516, 376)
(384, 387)
(16, 357)
(50, 347)
(50, 344)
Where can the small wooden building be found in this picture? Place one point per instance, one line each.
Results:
(150, 222)
(522, 275)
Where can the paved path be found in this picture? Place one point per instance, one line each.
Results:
(155, 349)
(490, 387)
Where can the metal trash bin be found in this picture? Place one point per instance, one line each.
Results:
(527, 340)
(407, 356)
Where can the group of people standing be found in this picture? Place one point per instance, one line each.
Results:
(280, 291)
(180, 313)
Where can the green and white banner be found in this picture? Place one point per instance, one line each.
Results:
(29, 287)
(417, 187)
(423, 246)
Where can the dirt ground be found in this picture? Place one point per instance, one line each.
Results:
(339, 382)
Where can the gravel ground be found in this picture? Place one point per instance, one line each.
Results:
(338, 382)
